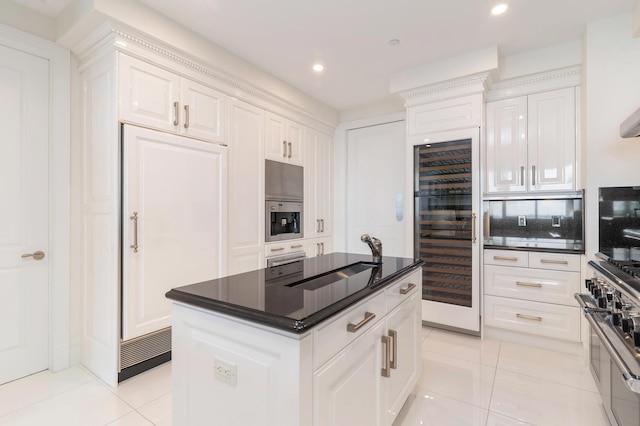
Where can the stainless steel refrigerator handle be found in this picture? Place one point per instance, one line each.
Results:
(473, 228)
(186, 116)
(386, 370)
(134, 246)
(176, 111)
(368, 316)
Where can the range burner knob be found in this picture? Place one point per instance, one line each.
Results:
(602, 302)
(615, 318)
(596, 292)
(609, 296)
(636, 339)
(588, 283)
(629, 324)
(618, 304)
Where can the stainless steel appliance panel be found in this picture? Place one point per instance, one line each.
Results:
(283, 220)
(283, 182)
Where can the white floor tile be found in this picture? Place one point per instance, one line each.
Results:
(430, 408)
(146, 387)
(37, 387)
(541, 402)
(462, 346)
(158, 411)
(464, 381)
(132, 419)
(556, 367)
(89, 404)
(496, 419)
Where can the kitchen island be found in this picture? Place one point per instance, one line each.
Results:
(333, 339)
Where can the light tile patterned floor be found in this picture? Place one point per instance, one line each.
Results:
(465, 381)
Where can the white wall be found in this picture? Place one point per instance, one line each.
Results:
(612, 81)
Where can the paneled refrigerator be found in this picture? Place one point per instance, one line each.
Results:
(446, 190)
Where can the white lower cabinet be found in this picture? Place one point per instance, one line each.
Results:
(357, 368)
(318, 246)
(535, 295)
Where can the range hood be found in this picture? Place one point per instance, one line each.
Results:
(630, 128)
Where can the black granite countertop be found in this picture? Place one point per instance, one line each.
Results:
(295, 297)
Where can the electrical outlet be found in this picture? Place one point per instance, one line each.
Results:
(555, 221)
(522, 221)
(225, 371)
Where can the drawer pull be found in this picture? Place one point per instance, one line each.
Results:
(393, 334)
(368, 316)
(528, 317)
(509, 258)
(525, 284)
(555, 262)
(386, 354)
(277, 249)
(410, 287)
(296, 246)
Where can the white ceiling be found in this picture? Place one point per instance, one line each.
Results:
(350, 37)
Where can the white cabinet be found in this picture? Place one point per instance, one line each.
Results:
(284, 140)
(534, 294)
(246, 176)
(174, 216)
(318, 179)
(531, 143)
(318, 246)
(153, 97)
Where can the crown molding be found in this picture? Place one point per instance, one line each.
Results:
(534, 83)
(450, 89)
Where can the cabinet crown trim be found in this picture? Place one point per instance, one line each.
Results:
(446, 90)
(539, 82)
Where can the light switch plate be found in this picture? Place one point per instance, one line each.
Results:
(522, 221)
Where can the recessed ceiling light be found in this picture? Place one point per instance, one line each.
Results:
(318, 67)
(499, 9)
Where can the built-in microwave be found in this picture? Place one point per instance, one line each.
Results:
(283, 220)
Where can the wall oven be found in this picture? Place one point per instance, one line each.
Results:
(284, 185)
(611, 305)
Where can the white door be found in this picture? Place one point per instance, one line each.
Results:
(376, 188)
(174, 208)
(24, 212)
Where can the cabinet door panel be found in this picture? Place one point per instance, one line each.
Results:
(206, 109)
(506, 150)
(275, 139)
(147, 94)
(177, 187)
(295, 146)
(551, 151)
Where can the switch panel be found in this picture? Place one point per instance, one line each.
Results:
(522, 221)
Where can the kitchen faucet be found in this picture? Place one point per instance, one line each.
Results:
(375, 245)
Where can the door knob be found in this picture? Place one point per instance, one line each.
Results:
(37, 255)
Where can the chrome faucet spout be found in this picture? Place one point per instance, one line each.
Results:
(375, 245)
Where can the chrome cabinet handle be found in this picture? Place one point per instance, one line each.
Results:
(277, 249)
(521, 175)
(555, 262)
(368, 316)
(393, 334)
(290, 150)
(473, 228)
(317, 225)
(386, 354)
(37, 255)
(322, 246)
(284, 149)
(321, 225)
(176, 108)
(134, 246)
(296, 246)
(533, 175)
(528, 317)
(186, 116)
(317, 249)
(525, 284)
(509, 258)
(408, 289)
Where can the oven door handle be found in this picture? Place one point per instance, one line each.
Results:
(630, 380)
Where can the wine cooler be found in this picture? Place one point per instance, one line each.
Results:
(446, 237)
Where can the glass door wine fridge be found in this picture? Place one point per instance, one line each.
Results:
(446, 235)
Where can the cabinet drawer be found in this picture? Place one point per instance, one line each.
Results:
(506, 258)
(560, 322)
(538, 285)
(276, 249)
(555, 261)
(402, 290)
(331, 337)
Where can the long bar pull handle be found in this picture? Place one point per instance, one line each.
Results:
(321, 225)
(368, 316)
(322, 245)
(37, 255)
(277, 249)
(521, 175)
(555, 262)
(317, 225)
(509, 258)
(290, 150)
(317, 249)
(134, 218)
(386, 354)
(533, 175)
(296, 246)
(408, 289)
(526, 284)
(176, 111)
(528, 317)
(393, 334)
(186, 116)
(473, 228)
(284, 149)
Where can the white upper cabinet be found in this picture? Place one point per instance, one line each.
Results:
(156, 98)
(284, 140)
(531, 143)
(317, 184)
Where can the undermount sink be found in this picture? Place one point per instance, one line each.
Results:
(334, 276)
